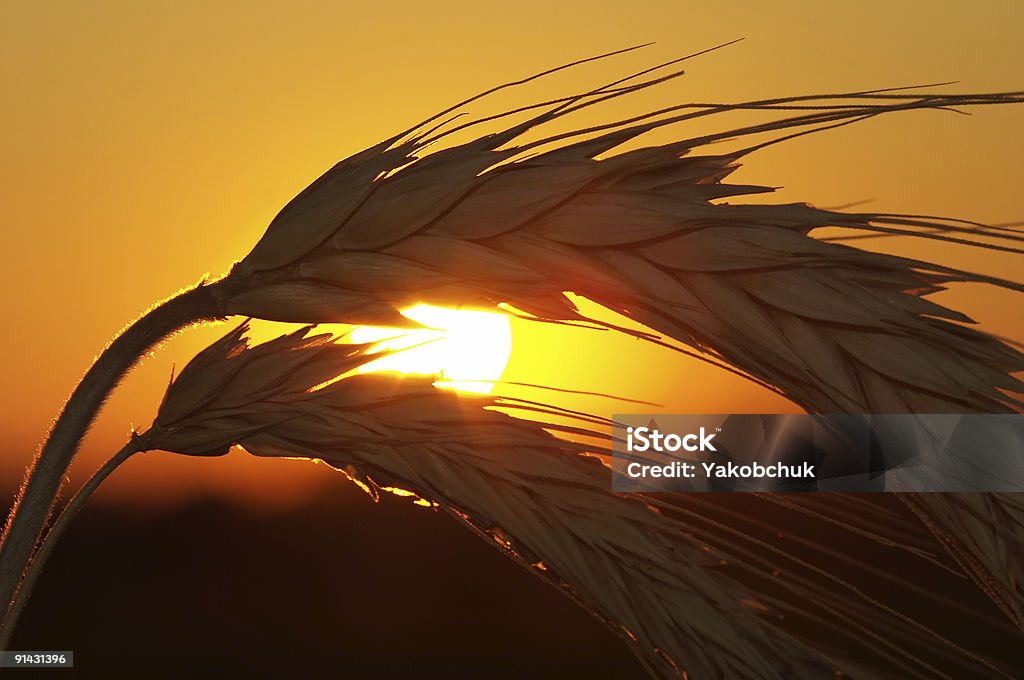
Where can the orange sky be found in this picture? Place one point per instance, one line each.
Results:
(145, 144)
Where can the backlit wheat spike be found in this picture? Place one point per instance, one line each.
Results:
(647, 234)
(658, 581)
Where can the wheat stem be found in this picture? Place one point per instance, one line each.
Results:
(46, 546)
(31, 509)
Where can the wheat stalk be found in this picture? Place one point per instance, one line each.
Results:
(500, 220)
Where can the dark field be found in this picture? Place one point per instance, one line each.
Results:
(339, 587)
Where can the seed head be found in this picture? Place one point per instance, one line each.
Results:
(650, 233)
(672, 581)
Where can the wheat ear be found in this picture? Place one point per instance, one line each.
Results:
(689, 596)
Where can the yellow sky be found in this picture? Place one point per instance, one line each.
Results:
(144, 144)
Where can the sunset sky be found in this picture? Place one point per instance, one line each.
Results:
(146, 145)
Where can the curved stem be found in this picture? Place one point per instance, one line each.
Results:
(32, 507)
(35, 567)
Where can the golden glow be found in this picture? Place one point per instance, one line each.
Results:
(468, 350)
(405, 493)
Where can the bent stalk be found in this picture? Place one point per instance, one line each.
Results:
(32, 507)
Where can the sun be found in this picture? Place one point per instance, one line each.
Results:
(467, 349)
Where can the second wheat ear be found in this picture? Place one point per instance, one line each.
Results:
(688, 598)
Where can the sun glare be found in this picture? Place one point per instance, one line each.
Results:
(467, 349)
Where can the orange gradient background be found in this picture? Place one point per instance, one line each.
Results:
(146, 145)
